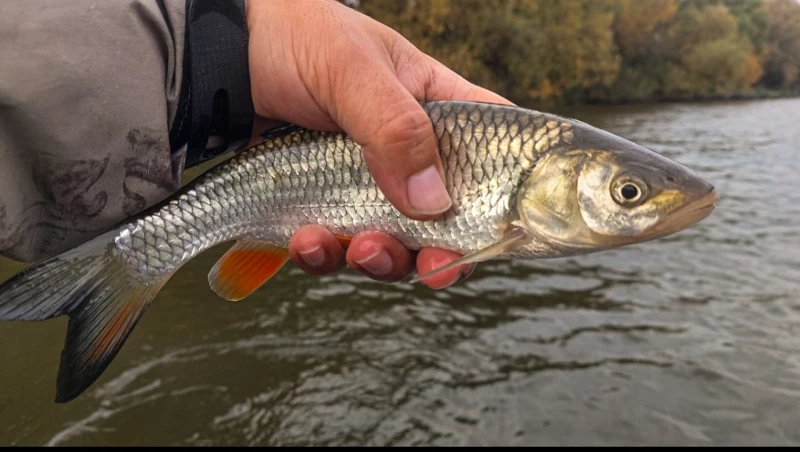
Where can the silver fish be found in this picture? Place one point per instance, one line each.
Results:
(524, 184)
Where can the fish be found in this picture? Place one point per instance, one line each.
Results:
(524, 184)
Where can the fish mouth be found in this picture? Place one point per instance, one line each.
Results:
(687, 215)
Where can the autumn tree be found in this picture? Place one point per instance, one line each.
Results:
(782, 54)
(526, 49)
(605, 50)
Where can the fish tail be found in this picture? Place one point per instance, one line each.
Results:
(99, 294)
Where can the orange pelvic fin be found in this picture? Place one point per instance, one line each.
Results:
(344, 240)
(245, 268)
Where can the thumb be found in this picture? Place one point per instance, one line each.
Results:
(400, 148)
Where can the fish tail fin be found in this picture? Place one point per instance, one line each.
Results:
(97, 291)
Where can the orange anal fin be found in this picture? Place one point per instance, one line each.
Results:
(344, 240)
(245, 268)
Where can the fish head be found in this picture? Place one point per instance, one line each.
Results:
(601, 192)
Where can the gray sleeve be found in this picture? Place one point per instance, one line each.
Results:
(88, 92)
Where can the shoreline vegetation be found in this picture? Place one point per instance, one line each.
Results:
(608, 51)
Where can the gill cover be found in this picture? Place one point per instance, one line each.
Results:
(548, 203)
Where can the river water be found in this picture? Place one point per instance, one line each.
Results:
(694, 339)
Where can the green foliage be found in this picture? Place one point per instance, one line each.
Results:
(708, 55)
(712, 67)
(637, 21)
(751, 15)
(606, 50)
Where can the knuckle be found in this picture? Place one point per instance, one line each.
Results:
(403, 122)
(423, 78)
(407, 56)
(406, 129)
(415, 68)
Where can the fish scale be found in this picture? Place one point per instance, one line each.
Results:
(309, 177)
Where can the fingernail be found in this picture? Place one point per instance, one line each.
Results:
(378, 263)
(462, 275)
(313, 257)
(454, 280)
(426, 192)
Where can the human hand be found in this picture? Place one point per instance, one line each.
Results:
(322, 65)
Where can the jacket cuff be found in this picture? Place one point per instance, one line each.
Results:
(215, 111)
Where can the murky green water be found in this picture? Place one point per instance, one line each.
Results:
(694, 339)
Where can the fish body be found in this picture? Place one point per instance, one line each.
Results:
(308, 177)
(524, 184)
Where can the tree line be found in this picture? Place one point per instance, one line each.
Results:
(607, 50)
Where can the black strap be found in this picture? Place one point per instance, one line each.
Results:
(215, 100)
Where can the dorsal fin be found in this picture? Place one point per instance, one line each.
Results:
(244, 268)
(280, 131)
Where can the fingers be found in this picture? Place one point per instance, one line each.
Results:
(379, 256)
(400, 148)
(430, 259)
(384, 258)
(316, 251)
(378, 105)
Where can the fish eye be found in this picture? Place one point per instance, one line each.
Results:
(629, 191)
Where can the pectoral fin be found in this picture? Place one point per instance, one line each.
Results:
(514, 237)
(245, 268)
